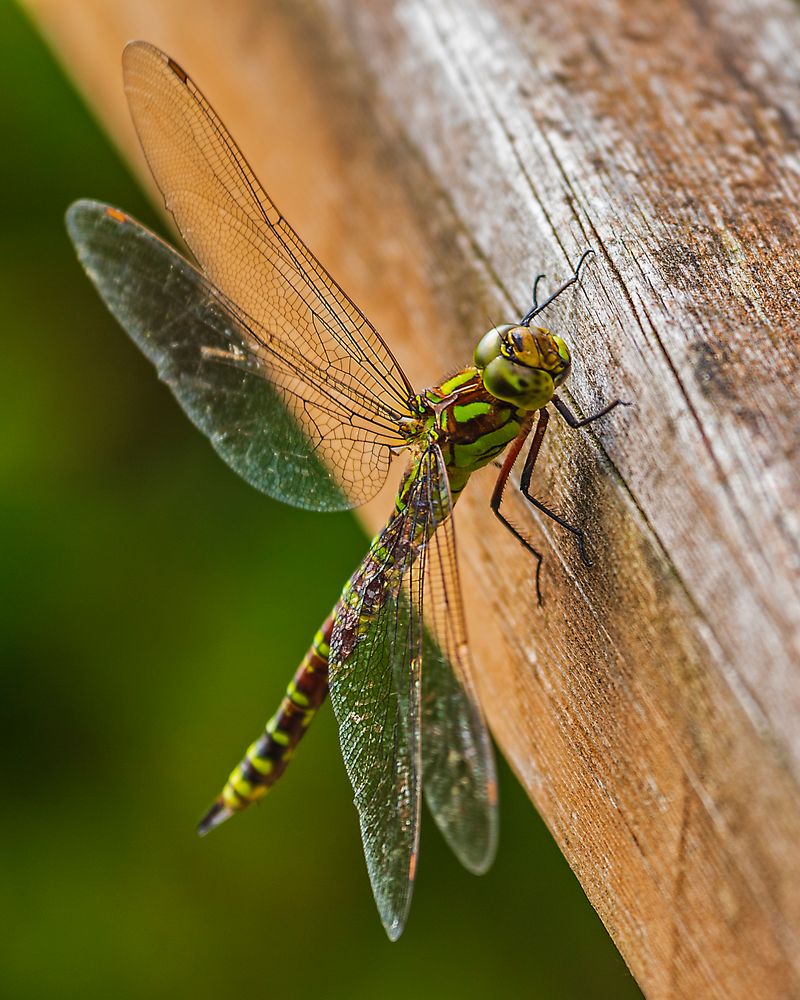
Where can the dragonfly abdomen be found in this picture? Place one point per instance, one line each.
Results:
(267, 758)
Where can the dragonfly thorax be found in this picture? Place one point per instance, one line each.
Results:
(521, 365)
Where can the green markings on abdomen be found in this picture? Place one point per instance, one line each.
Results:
(266, 759)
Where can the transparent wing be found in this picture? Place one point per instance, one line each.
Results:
(337, 377)
(458, 764)
(375, 664)
(213, 359)
(402, 710)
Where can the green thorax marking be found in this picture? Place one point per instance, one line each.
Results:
(472, 426)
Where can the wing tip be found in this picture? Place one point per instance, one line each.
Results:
(481, 865)
(138, 49)
(393, 911)
(478, 861)
(394, 928)
(136, 45)
(76, 214)
(78, 206)
(84, 209)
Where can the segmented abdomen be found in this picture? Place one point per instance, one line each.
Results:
(266, 759)
(392, 551)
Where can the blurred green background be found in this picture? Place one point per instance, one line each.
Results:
(152, 609)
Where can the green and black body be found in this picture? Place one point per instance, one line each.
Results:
(301, 396)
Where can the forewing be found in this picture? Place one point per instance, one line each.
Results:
(337, 376)
(376, 652)
(209, 355)
(458, 764)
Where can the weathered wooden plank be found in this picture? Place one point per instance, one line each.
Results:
(437, 157)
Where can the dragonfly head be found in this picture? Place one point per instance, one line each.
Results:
(521, 365)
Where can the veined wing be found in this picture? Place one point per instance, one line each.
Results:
(458, 764)
(402, 712)
(335, 374)
(374, 676)
(207, 352)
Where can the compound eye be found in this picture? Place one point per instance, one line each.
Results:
(563, 350)
(527, 388)
(566, 362)
(490, 345)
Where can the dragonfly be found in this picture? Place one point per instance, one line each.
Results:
(301, 396)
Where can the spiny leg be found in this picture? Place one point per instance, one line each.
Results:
(527, 471)
(574, 421)
(505, 471)
(525, 482)
(524, 486)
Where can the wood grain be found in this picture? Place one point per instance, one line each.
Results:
(437, 157)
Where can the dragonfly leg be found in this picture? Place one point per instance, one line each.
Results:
(525, 484)
(574, 421)
(526, 319)
(500, 485)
